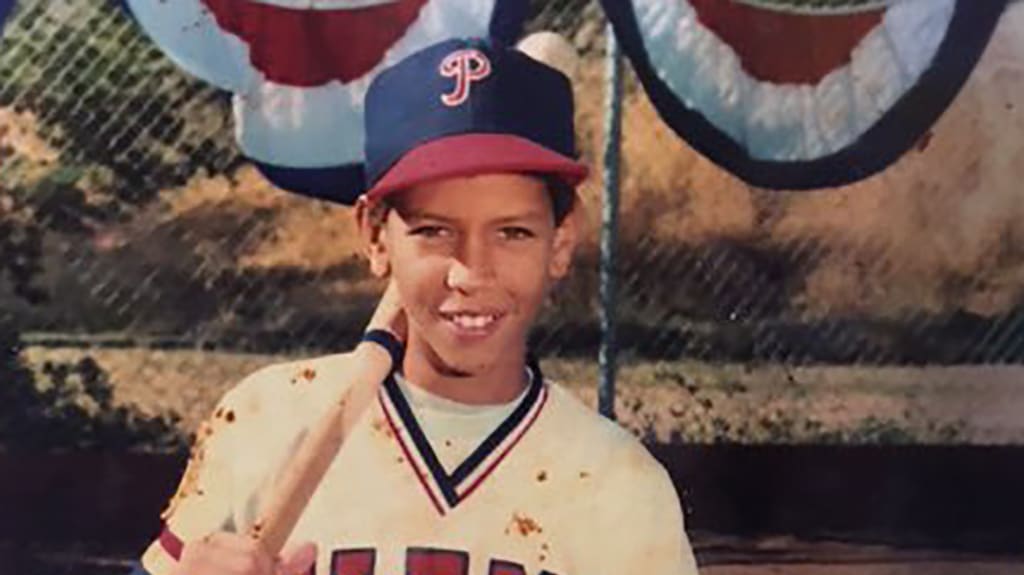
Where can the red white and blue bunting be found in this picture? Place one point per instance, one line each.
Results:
(5, 9)
(791, 94)
(299, 69)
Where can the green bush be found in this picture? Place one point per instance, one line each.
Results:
(76, 80)
(104, 95)
(71, 406)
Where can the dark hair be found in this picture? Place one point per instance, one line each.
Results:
(563, 197)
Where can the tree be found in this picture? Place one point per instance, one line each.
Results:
(74, 78)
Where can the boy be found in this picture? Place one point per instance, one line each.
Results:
(469, 462)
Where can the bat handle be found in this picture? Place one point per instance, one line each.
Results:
(307, 467)
(300, 479)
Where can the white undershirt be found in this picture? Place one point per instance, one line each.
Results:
(455, 429)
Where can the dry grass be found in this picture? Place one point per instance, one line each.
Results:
(313, 235)
(667, 401)
(19, 132)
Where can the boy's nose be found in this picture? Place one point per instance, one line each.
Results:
(472, 269)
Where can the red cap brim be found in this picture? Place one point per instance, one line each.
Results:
(472, 154)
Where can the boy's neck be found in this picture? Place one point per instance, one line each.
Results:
(500, 383)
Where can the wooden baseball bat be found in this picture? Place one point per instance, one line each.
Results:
(307, 467)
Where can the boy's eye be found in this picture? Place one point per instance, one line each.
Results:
(516, 233)
(429, 231)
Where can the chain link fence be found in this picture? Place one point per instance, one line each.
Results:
(128, 219)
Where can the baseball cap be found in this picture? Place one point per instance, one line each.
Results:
(464, 107)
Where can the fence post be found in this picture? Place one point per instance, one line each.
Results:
(608, 353)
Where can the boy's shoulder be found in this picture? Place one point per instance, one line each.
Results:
(295, 379)
(287, 391)
(258, 422)
(581, 433)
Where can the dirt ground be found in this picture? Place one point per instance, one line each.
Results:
(923, 567)
(674, 401)
(775, 556)
(720, 555)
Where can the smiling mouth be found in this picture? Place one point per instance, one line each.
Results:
(473, 323)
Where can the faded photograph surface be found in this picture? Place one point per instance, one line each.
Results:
(733, 287)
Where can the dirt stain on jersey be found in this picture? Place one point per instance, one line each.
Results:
(523, 525)
(189, 485)
(229, 416)
(307, 374)
(584, 474)
(382, 427)
(542, 476)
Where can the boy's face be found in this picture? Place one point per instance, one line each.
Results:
(473, 259)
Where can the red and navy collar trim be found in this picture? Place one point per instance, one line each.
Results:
(446, 491)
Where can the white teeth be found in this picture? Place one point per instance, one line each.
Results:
(467, 321)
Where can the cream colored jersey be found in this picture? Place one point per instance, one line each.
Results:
(554, 489)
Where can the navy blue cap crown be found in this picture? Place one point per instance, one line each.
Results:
(465, 86)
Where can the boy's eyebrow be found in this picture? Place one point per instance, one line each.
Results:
(412, 214)
(530, 215)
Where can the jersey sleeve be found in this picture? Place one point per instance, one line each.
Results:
(648, 524)
(202, 503)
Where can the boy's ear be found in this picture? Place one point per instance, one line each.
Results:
(371, 223)
(566, 236)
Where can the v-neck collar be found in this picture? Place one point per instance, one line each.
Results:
(446, 490)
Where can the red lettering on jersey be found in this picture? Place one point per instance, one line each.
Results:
(505, 568)
(420, 561)
(353, 562)
(509, 568)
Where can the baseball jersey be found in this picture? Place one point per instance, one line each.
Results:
(552, 489)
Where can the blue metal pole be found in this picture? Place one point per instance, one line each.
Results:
(607, 356)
